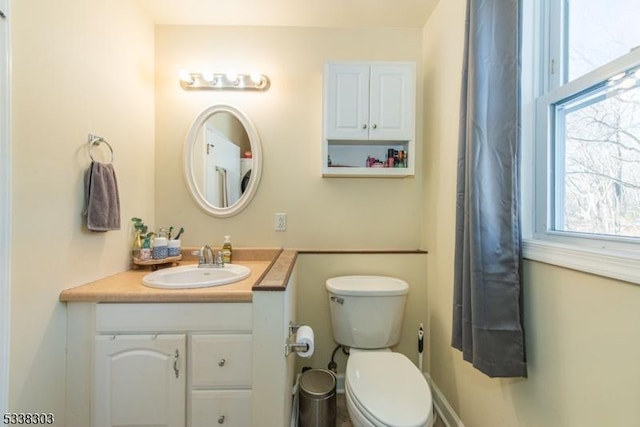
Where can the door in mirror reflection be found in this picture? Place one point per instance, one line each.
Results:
(222, 168)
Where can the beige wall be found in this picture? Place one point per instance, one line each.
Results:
(313, 299)
(69, 80)
(77, 67)
(581, 330)
(322, 212)
(81, 67)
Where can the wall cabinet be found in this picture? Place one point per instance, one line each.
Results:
(369, 113)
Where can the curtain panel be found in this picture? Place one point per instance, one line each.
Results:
(487, 311)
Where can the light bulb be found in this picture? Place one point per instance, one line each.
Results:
(232, 76)
(186, 77)
(208, 76)
(256, 77)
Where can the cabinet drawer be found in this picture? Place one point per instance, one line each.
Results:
(173, 317)
(231, 408)
(220, 360)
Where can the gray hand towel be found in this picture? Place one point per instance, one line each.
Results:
(102, 200)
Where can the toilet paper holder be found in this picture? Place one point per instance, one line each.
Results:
(291, 345)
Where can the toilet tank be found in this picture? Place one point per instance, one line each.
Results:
(366, 311)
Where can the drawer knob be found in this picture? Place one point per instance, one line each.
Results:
(221, 364)
(221, 419)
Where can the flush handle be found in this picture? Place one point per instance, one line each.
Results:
(337, 299)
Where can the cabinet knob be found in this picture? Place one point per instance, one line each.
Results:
(375, 126)
(221, 419)
(364, 126)
(222, 362)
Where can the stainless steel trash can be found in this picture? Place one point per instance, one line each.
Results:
(317, 399)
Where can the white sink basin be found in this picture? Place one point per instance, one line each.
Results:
(190, 276)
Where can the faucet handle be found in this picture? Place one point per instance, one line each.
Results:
(219, 258)
(202, 253)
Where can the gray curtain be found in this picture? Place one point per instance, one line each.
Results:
(487, 312)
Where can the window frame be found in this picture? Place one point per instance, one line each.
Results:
(542, 88)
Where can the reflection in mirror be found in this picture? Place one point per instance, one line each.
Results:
(222, 160)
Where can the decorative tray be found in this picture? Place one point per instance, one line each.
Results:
(154, 263)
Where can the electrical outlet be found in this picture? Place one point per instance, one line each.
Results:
(281, 222)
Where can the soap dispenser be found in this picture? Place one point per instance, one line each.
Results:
(226, 250)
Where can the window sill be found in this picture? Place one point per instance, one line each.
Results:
(607, 263)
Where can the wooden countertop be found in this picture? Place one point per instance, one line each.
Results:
(270, 271)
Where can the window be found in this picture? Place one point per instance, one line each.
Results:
(585, 120)
(596, 159)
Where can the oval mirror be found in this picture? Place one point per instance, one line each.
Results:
(222, 160)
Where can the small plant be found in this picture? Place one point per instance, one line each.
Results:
(141, 230)
(140, 227)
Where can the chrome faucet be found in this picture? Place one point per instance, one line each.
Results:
(207, 260)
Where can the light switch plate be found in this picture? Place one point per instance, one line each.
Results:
(281, 222)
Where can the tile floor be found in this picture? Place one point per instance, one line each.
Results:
(342, 415)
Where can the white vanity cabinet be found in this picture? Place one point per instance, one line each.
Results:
(189, 358)
(160, 364)
(369, 109)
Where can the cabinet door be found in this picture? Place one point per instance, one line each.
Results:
(139, 380)
(231, 408)
(346, 101)
(392, 99)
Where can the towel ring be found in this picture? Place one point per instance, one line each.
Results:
(96, 140)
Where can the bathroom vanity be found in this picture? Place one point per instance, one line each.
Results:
(192, 357)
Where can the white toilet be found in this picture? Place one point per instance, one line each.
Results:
(382, 388)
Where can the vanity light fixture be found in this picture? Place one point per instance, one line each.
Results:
(223, 81)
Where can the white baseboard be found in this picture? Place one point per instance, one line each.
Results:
(443, 408)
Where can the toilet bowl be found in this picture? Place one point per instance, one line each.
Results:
(382, 388)
(385, 389)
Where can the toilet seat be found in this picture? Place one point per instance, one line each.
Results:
(388, 389)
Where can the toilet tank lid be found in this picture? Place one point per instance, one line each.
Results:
(367, 286)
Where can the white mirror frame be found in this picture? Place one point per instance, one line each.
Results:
(256, 168)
